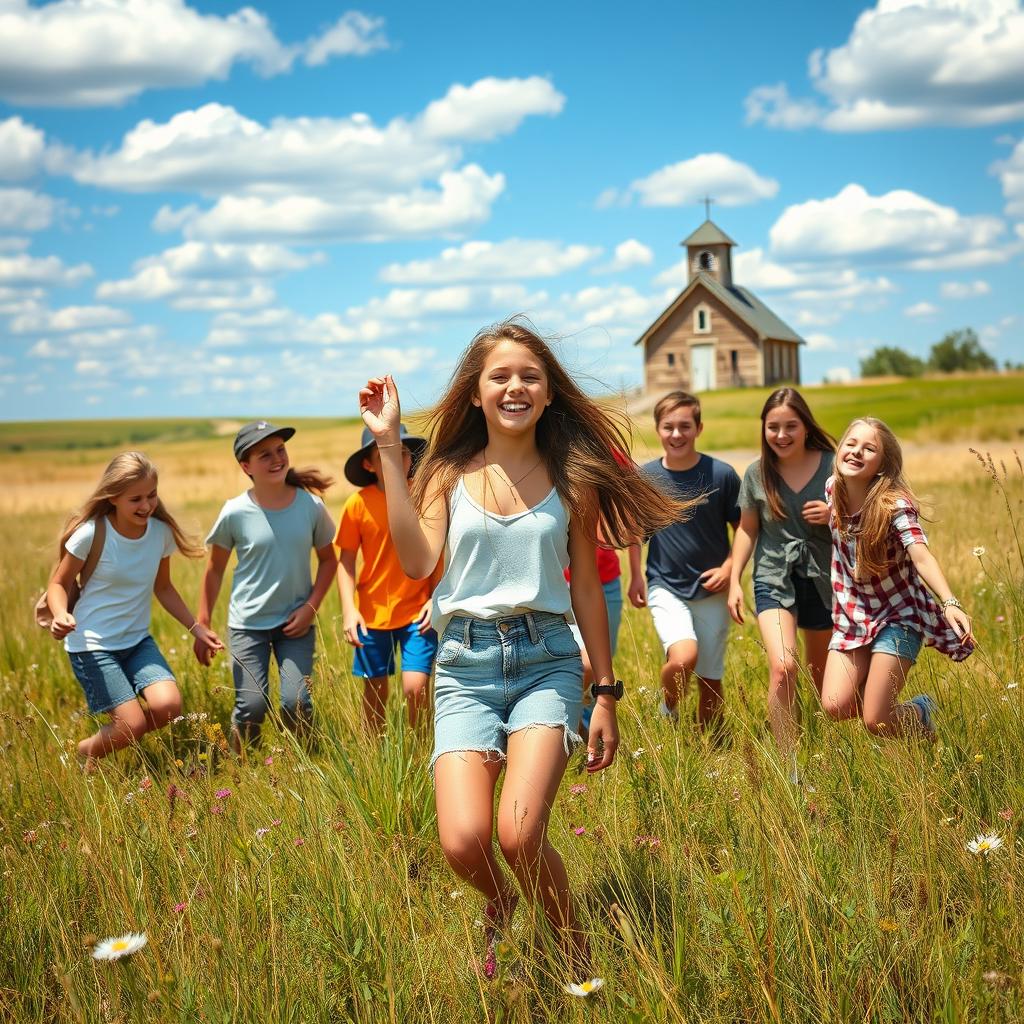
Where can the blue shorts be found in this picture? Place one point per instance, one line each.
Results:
(497, 676)
(112, 678)
(376, 658)
(899, 640)
(809, 609)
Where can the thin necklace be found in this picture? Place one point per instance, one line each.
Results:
(515, 483)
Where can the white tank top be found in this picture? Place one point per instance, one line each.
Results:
(497, 566)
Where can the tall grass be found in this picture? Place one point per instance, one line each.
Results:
(713, 889)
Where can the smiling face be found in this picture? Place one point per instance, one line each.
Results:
(513, 389)
(267, 461)
(677, 431)
(785, 432)
(134, 505)
(861, 453)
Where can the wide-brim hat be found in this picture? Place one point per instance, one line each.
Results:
(356, 473)
(252, 433)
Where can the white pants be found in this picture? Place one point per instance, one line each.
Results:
(706, 621)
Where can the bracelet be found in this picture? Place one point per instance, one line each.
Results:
(394, 444)
(193, 626)
(313, 606)
(951, 602)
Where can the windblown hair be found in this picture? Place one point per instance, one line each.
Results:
(124, 470)
(309, 478)
(887, 488)
(818, 439)
(584, 446)
(677, 400)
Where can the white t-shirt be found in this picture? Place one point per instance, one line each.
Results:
(114, 610)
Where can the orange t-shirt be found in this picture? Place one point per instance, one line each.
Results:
(385, 596)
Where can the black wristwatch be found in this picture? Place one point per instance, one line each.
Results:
(615, 690)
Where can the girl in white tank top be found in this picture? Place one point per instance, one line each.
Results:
(518, 477)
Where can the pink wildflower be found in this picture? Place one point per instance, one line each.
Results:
(579, 831)
(268, 761)
(1006, 814)
(275, 823)
(179, 907)
(146, 783)
(217, 809)
(577, 789)
(222, 794)
(1000, 618)
(299, 841)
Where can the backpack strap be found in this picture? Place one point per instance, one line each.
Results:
(95, 550)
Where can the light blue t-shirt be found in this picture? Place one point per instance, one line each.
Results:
(272, 576)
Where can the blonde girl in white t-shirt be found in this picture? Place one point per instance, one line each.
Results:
(107, 638)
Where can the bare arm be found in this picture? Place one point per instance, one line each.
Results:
(929, 570)
(419, 540)
(57, 595)
(637, 584)
(743, 541)
(213, 577)
(302, 618)
(167, 594)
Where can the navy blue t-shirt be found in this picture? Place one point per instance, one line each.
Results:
(678, 555)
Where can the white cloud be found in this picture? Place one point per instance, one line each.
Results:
(727, 181)
(21, 209)
(24, 269)
(838, 375)
(964, 289)
(21, 149)
(489, 107)
(514, 258)
(900, 227)
(354, 34)
(76, 53)
(628, 254)
(909, 63)
(921, 309)
(121, 339)
(621, 310)
(70, 318)
(199, 275)
(819, 342)
(1011, 177)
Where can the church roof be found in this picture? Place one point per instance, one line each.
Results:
(741, 301)
(708, 233)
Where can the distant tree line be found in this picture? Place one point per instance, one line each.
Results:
(958, 350)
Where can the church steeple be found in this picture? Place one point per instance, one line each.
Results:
(709, 251)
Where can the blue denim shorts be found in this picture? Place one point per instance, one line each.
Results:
(112, 678)
(497, 676)
(376, 658)
(899, 640)
(809, 609)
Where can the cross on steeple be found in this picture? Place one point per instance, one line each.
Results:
(707, 201)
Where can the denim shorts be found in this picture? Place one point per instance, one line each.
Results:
(376, 658)
(112, 678)
(899, 640)
(810, 610)
(497, 676)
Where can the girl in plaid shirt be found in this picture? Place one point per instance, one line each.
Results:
(886, 589)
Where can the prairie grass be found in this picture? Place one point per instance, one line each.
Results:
(714, 890)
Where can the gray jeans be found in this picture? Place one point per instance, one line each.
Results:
(250, 667)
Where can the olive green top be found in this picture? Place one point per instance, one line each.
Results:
(789, 545)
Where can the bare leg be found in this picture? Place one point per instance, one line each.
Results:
(845, 673)
(127, 724)
(675, 673)
(778, 633)
(710, 703)
(536, 764)
(375, 701)
(883, 715)
(163, 703)
(416, 691)
(816, 643)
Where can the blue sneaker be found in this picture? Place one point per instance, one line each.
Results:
(926, 708)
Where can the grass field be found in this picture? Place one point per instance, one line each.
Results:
(715, 892)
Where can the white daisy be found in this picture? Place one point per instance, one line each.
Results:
(984, 844)
(978, 552)
(123, 945)
(585, 989)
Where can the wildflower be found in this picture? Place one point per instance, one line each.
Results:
(887, 924)
(180, 718)
(638, 753)
(455, 894)
(217, 809)
(978, 552)
(179, 907)
(641, 690)
(299, 841)
(578, 789)
(30, 836)
(984, 844)
(1012, 686)
(178, 763)
(261, 832)
(275, 823)
(1006, 814)
(978, 758)
(123, 945)
(129, 797)
(1000, 618)
(146, 783)
(584, 990)
(580, 830)
(268, 761)
(203, 756)
(222, 794)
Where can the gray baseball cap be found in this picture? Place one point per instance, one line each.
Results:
(252, 433)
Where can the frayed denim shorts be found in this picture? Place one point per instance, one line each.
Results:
(899, 640)
(497, 676)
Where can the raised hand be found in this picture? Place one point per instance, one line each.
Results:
(380, 409)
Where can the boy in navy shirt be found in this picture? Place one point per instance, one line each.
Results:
(688, 564)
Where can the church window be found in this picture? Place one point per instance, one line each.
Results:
(671, 359)
(706, 261)
(702, 320)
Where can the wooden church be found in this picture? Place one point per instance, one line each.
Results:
(716, 334)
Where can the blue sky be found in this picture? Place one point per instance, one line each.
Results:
(214, 210)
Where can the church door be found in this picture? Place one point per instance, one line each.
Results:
(703, 367)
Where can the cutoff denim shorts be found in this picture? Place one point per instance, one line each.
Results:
(498, 676)
(112, 678)
(899, 640)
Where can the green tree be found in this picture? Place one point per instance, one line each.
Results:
(890, 361)
(960, 350)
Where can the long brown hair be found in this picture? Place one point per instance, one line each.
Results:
(818, 439)
(887, 488)
(309, 478)
(576, 437)
(122, 471)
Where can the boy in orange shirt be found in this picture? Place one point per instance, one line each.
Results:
(384, 609)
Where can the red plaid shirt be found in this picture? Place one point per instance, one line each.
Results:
(860, 608)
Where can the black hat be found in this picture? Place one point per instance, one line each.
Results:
(355, 472)
(252, 433)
